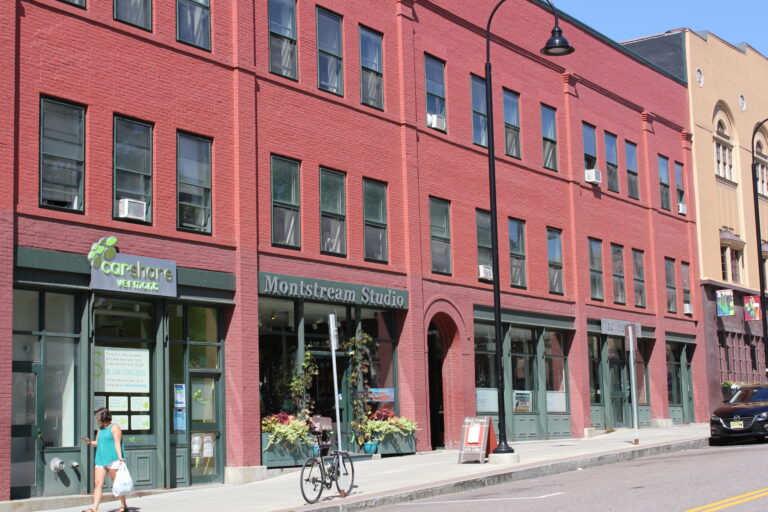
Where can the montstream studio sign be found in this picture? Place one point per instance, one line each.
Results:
(331, 291)
(111, 270)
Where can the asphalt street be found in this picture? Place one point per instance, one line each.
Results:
(731, 477)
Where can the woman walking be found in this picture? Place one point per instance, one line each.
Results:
(109, 456)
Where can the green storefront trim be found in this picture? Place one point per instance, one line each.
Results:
(680, 338)
(593, 326)
(528, 318)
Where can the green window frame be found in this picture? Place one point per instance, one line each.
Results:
(589, 134)
(638, 277)
(283, 42)
(286, 206)
(517, 263)
(440, 235)
(549, 137)
(132, 165)
(680, 185)
(617, 264)
(524, 363)
(375, 220)
(479, 112)
(333, 223)
(434, 73)
(612, 162)
(595, 269)
(134, 12)
(371, 68)
(330, 53)
(633, 185)
(512, 123)
(193, 182)
(664, 181)
(483, 222)
(669, 273)
(193, 23)
(62, 155)
(555, 261)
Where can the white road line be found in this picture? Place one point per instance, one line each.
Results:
(488, 499)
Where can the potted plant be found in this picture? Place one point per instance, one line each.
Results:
(389, 432)
(285, 440)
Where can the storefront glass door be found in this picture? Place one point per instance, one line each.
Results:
(205, 428)
(26, 433)
(618, 373)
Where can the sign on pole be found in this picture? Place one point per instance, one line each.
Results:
(631, 337)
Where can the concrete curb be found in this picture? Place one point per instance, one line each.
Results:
(534, 470)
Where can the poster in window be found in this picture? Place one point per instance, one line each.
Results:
(197, 445)
(487, 400)
(208, 444)
(121, 420)
(180, 419)
(140, 422)
(121, 370)
(523, 401)
(179, 395)
(99, 402)
(118, 403)
(140, 403)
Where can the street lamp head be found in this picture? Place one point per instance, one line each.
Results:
(557, 45)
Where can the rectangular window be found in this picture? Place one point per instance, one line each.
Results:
(194, 182)
(434, 71)
(617, 264)
(611, 162)
(549, 136)
(724, 262)
(132, 169)
(375, 211)
(590, 146)
(372, 69)
(79, 3)
(555, 260)
(512, 124)
(669, 271)
(664, 181)
(517, 253)
(595, 269)
(638, 277)
(329, 52)
(193, 22)
(62, 154)
(333, 225)
(685, 275)
(282, 38)
(633, 187)
(680, 184)
(483, 220)
(440, 234)
(479, 112)
(736, 266)
(286, 223)
(134, 12)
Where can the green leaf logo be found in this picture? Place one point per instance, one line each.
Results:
(103, 250)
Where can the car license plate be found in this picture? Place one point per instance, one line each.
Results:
(737, 424)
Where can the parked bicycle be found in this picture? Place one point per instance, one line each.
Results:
(327, 468)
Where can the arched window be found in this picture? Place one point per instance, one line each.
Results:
(761, 160)
(723, 151)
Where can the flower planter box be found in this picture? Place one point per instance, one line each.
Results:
(396, 444)
(283, 455)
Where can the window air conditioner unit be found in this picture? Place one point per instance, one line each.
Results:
(132, 209)
(682, 209)
(688, 309)
(436, 121)
(485, 272)
(593, 176)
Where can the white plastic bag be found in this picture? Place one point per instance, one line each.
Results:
(123, 483)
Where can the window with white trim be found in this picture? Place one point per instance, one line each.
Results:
(723, 152)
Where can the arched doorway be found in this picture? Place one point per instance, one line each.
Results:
(436, 357)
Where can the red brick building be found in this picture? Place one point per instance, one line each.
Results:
(281, 161)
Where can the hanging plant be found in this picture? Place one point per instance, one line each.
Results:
(299, 386)
(359, 383)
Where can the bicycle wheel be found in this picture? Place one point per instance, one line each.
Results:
(311, 480)
(345, 474)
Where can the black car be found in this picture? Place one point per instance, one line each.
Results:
(745, 416)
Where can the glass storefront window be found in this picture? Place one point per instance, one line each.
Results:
(674, 384)
(555, 362)
(203, 393)
(378, 324)
(176, 321)
(595, 383)
(485, 351)
(616, 348)
(204, 356)
(60, 365)
(203, 325)
(641, 362)
(115, 318)
(382, 375)
(523, 347)
(278, 344)
(26, 348)
(26, 310)
(60, 313)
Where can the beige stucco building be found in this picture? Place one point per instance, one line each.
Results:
(727, 100)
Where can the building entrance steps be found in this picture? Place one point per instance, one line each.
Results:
(392, 480)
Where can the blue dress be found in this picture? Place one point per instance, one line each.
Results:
(105, 447)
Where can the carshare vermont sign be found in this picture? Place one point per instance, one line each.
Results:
(111, 270)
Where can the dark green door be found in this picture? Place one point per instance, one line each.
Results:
(27, 443)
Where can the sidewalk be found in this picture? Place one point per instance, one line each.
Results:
(393, 480)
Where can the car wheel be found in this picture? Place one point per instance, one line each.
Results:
(715, 442)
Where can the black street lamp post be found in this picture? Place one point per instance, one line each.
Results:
(759, 239)
(555, 46)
